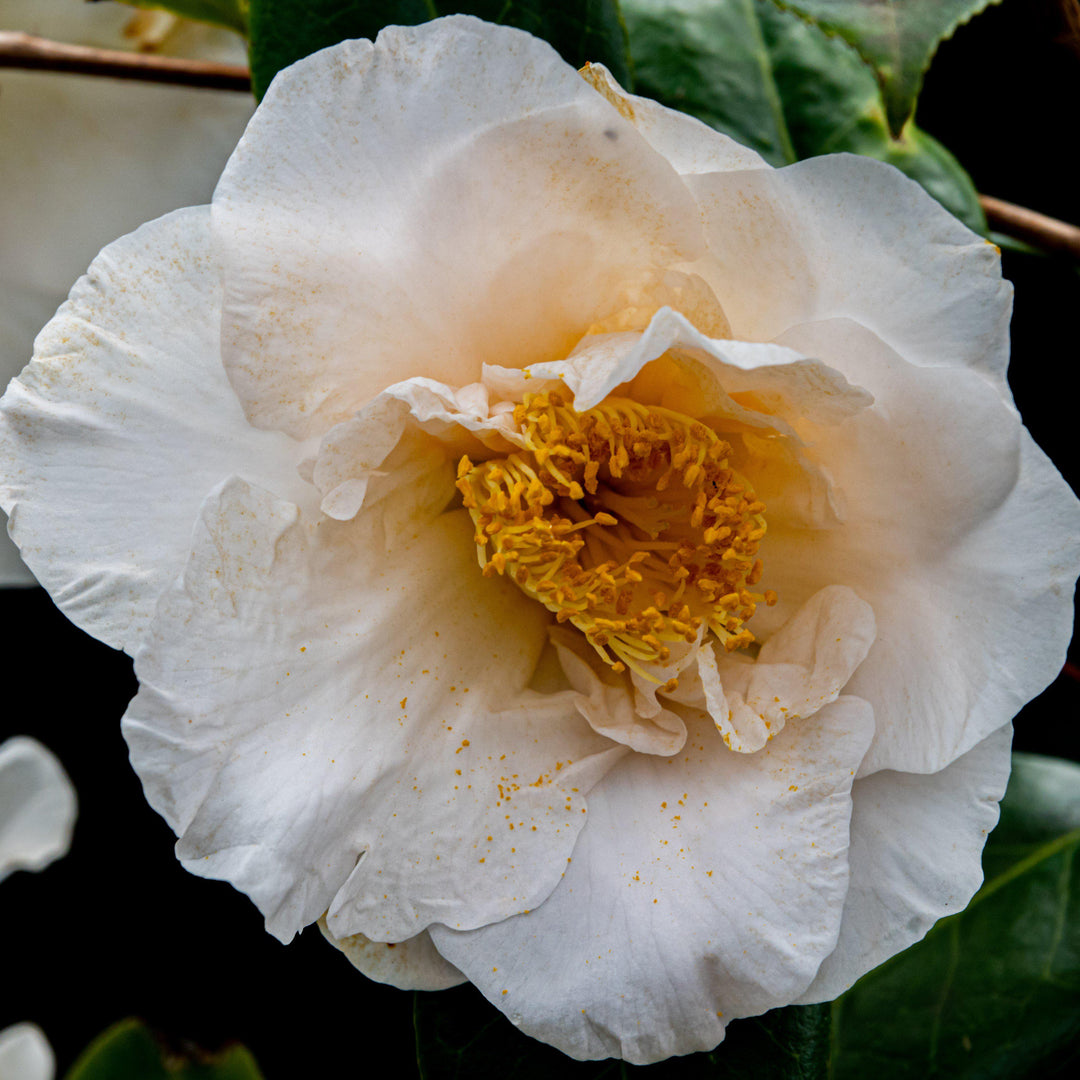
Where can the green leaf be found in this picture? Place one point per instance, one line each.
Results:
(283, 31)
(782, 87)
(995, 990)
(459, 1036)
(230, 13)
(129, 1051)
(897, 38)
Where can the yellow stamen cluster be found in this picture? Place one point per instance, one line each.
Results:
(625, 520)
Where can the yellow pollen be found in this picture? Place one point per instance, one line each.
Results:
(626, 521)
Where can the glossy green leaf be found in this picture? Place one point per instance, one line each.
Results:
(129, 1051)
(459, 1036)
(230, 13)
(995, 990)
(781, 86)
(283, 31)
(897, 38)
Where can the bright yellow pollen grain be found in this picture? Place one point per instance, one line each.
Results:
(627, 521)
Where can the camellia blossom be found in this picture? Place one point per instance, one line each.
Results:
(25, 1053)
(38, 806)
(553, 541)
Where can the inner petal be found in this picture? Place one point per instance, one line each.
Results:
(625, 520)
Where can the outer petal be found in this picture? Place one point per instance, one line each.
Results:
(916, 856)
(330, 736)
(961, 535)
(470, 200)
(690, 145)
(409, 965)
(130, 151)
(114, 434)
(703, 888)
(37, 806)
(845, 236)
(25, 1054)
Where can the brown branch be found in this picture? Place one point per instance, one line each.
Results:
(18, 50)
(1038, 230)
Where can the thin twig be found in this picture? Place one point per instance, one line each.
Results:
(18, 50)
(1038, 230)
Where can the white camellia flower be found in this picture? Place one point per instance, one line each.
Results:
(25, 1054)
(552, 541)
(37, 815)
(84, 159)
(37, 806)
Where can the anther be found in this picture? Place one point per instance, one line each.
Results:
(579, 519)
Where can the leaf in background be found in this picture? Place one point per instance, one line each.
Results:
(283, 31)
(993, 991)
(783, 87)
(897, 38)
(129, 1051)
(232, 14)
(459, 1036)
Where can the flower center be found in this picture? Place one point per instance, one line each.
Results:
(626, 521)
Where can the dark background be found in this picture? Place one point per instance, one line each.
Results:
(117, 928)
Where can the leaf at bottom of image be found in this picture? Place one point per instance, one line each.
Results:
(129, 1050)
(995, 990)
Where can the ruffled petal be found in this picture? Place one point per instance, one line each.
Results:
(471, 200)
(786, 248)
(414, 433)
(612, 704)
(699, 376)
(25, 1054)
(960, 534)
(799, 669)
(330, 736)
(916, 856)
(123, 422)
(704, 887)
(37, 806)
(409, 965)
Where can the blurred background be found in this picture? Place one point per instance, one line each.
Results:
(117, 928)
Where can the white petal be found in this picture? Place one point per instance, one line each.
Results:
(800, 669)
(409, 965)
(959, 533)
(332, 728)
(123, 422)
(37, 806)
(704, 887)
(611, 703)
(453, 195)
(417, 426)
(690, 145)
(845, 236)
(25, 1054)
(85, 160)
(916, 856)
(697, 376)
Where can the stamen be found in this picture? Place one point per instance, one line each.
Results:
(626, 521)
